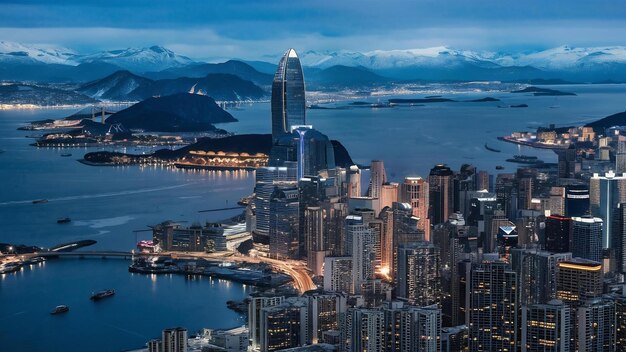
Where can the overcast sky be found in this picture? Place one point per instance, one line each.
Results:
(250, 29)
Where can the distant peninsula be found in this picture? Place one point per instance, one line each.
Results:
(537, 91)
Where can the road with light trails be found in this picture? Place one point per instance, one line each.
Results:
(297, 270)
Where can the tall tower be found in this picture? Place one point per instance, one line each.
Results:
(441, 193)
(288, 101)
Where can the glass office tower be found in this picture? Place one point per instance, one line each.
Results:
(288, 102)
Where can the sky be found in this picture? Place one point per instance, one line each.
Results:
(252, 29)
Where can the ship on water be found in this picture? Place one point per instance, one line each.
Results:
(64, 220)
(60, 309)
(40, 201)
(102, 294)
(491, 149)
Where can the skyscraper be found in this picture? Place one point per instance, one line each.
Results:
(415, 191)
(257, 302)
(266, 179)
(284, 227)
(576, 200)
(537, 273)
(288, 100)
(578, 280)
(587, 238)
(354, 181)
(284, 325)
(419, 273)
(557, 234)
(493, 307)
(596, 326)
(362, 242)
(618, 236)
(441, 194)
(546, 327)
(620, 155)
(338, 274)
(605, 193)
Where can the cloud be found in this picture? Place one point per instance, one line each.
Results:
(251, 29)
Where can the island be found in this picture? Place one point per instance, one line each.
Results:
(537, 91)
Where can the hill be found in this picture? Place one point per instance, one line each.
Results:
(117, 86)
(233, 67)
(126, 86)
(618, 119)
(181, 112)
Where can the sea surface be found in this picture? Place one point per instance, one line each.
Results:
(115, 206)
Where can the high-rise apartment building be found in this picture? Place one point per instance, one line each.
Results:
(493, 307)
(418, 275)
(546, 327)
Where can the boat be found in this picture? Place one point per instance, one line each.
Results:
(35, 260)
(499, 167)
(102, 294)
(63, 220)
(66, 155)
(491, 149)
(60, 309)
(10, 267)
(40, 201)
(525, 159)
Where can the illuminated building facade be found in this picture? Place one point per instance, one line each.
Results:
(493, 307)
(578, 280)
(418, 275)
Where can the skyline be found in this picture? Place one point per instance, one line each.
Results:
(249, 30)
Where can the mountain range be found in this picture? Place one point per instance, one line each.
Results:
(22, 62)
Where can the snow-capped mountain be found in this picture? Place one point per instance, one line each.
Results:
(565, 57)
(154, 58)
(387, 59)
(559, 58)
(16, 52)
